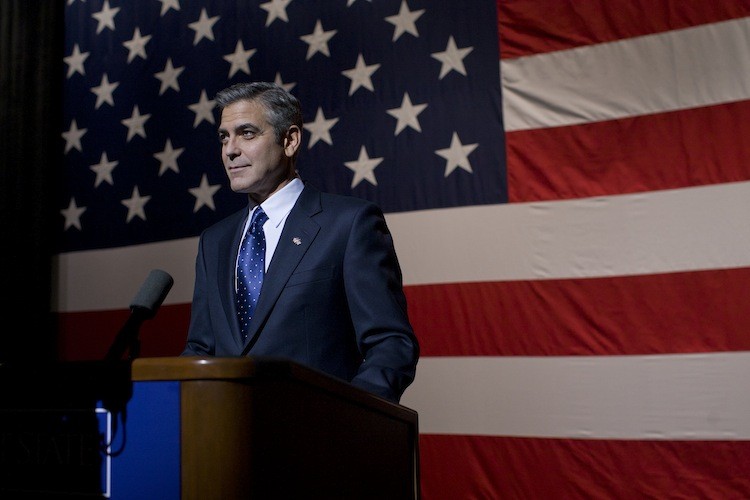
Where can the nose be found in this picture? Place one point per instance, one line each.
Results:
(231, 149)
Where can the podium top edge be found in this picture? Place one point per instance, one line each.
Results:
(192, 368)
(188, 368)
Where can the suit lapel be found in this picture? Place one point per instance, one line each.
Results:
(297, 236)
(228, 245)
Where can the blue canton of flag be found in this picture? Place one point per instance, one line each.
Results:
(401, 103)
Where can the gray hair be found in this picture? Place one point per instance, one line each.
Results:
(282, 109)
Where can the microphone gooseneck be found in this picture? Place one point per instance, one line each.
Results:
(143, 306)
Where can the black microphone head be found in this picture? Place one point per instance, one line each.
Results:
(153, 292)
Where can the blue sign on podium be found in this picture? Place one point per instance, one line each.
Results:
(121, 447)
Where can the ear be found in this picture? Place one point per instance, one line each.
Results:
(292, 141)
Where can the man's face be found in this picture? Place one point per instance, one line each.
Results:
(254, 161)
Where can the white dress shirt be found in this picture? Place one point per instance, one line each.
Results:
(277, 208)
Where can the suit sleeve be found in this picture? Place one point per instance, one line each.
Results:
(377, 303)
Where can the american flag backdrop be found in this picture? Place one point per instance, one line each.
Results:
(567, 183)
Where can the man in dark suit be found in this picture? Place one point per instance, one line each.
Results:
(331, 296)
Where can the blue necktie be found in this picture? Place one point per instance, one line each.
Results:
(250, 269)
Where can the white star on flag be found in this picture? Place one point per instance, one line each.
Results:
(203, 27)
(364, 168)
(168, 77)
(73, 137)
(105, 17)
(104, 92)
(135, 205)
(276, 10)
(168, 158)
(75, 61)
(452, 58)
(204, 194)
(457, 155)
(72, 214)
(136, 123)
(286, 86)
(405, 21)
(169, 4)
(203, 109)
(103, 170)
(360, 75)
(318, 40)
(320, 128)
(407, 114)
(137, 45)
(239, 59)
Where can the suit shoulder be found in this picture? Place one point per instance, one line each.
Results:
(342, 201)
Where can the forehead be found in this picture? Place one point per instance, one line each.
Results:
(243, 113)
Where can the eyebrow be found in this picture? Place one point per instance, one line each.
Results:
(240, 127)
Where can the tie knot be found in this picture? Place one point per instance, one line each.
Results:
(259, 218)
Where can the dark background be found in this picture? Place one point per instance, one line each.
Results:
(31, 65)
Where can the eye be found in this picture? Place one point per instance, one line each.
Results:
(222, 137)
(249, 133)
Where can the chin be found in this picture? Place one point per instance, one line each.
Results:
(239, 188)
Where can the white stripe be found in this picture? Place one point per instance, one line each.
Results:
(690, 229)
(109, 279)
(657, 232)
(692, 397)
(681, 69)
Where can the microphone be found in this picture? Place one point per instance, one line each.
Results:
(152, 293)
(143, 306)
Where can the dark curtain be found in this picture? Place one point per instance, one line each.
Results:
(31, 78)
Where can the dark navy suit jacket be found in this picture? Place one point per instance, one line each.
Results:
(332, 297)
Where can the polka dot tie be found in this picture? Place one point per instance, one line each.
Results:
(250, 270)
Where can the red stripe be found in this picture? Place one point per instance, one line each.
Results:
(653, 152)
(473, 467)
(653, 314)
(538, 26)
(88, 335)
(687, 312)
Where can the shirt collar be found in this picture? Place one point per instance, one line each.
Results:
(279, 204)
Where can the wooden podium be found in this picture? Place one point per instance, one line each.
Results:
(201, 428)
